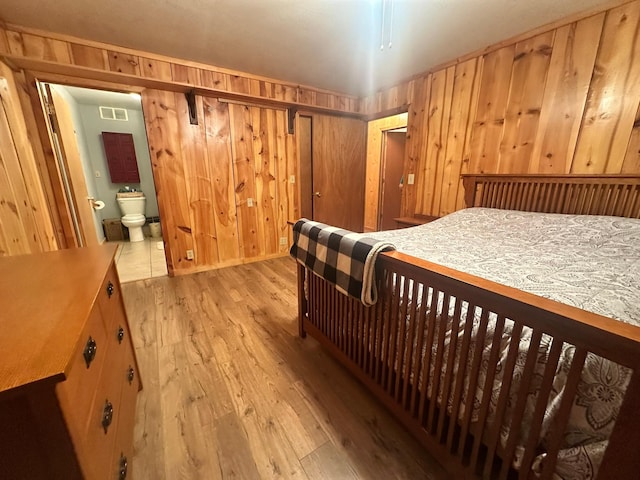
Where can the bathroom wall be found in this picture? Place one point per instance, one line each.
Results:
(85, 156)
(93, 127)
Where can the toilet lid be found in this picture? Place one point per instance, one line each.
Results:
(132, 217)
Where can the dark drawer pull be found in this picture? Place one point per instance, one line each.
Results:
(107, 415)
(130, 374)
(109, 289)
(122, 471)
(89, 352)
(120, 334)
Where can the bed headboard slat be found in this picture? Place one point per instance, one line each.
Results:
(615, 195)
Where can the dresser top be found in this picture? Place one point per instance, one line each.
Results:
(45, 301)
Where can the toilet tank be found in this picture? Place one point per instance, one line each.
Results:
(131, 203)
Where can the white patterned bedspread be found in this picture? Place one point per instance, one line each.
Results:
(590, 262)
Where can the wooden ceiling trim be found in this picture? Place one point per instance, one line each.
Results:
(64, 48)
(75, 75)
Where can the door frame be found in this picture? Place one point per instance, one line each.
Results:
(60, 210)
(308, 187)
(384, 184)
(304, 174)
(374, 164)
(64, 142)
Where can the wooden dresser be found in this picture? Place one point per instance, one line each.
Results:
(68, 372)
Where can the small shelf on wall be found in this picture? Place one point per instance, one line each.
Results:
(121, 157)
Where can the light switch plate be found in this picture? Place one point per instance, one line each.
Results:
(292, 179)
(249, 202)
(411, 178)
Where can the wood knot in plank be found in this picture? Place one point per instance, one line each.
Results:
(11, 205)
(545, 50)
(275, 467)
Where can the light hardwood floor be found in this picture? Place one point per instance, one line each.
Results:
(231, 391)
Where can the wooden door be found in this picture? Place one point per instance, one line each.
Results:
(25, 224)
(65, 132)
(338, 158)
(393, 162)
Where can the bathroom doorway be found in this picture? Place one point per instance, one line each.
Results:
(77, 118)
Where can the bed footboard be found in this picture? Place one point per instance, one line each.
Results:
(404, 351)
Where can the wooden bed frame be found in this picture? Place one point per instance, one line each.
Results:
(370, 341)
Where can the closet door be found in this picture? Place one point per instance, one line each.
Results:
(226, 186)
(71, 160)
(338, 170)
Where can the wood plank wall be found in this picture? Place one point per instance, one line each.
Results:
(49, 52)
(562, 101)
(205, 174)
(25, 224)
(566, 100)
(223, 185)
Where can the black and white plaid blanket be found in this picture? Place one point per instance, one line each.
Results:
(344, 258)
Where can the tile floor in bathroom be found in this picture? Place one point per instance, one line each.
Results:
(140, 260)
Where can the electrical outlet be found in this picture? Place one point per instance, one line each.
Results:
(189, 254)
(249, 202)
(283, 241)
(411, 178)
(292, 179)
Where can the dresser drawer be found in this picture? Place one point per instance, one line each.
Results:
(100, 436)
(76, 394)
(123, 451)
(109, 299)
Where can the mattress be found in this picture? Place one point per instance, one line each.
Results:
(590, 262)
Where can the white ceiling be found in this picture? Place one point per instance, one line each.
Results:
(88, 96)
(331, 44)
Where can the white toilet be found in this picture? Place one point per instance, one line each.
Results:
(132, 206)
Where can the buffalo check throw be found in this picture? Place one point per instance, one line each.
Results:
(344, 258)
